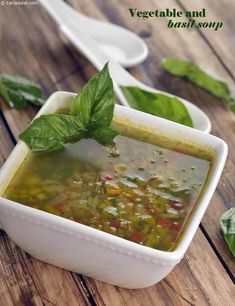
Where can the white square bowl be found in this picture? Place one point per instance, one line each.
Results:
(94, 253)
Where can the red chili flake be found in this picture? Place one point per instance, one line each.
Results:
(59, 207)
(137, 237)
(150, 209)
(176, 205)
(116, 224)
(106, 178)
(176, 225)
(78, 220)
(165, 223)
(129, 196)
(179, 150)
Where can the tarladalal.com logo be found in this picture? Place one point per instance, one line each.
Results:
(18, 3)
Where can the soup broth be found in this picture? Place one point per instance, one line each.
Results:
(142, 190)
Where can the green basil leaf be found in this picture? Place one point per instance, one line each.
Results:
(158, 104)
(94, 104)
(90, 116)
(52, 132)
(14, 99)
(19, 99)
(3, 92)
(18, 91)
(31, 98)
(199, 77)
(232, 104)
(104, 135)
(227, 223)
(17, 82)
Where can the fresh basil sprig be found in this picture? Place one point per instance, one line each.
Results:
(18, 91)
(199, 77)
(158, 104)
(227, 223)
(90, 116)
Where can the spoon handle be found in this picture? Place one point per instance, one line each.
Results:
(86, 44)
(98, 58)
(60, 10)
(65, 15)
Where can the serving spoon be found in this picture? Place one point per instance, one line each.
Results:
(89, 47)
(126, 47)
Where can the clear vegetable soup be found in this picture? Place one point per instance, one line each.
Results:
(143, 189)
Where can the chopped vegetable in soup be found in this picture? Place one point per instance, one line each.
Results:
(142, 189)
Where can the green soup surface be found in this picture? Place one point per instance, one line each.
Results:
(143, 189)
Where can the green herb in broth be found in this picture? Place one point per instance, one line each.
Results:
(140, 190)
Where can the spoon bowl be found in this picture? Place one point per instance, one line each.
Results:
(125, 46)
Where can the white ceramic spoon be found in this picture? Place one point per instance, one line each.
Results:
(126, 47)
(88, 46)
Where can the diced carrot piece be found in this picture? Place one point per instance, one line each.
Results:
(129, 196)
(107, 202)
(112, 191)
